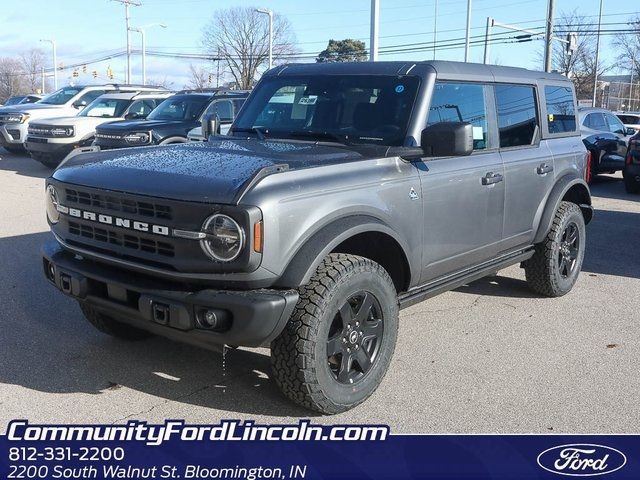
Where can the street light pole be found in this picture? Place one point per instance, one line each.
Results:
(140, 30)
(466, 41)
(55, 62)
(435, 27)
(595, 71)
(270, 14)
(373, 33)
(487, 35)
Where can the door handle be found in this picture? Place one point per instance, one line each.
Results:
(544, 169)
(491, 178)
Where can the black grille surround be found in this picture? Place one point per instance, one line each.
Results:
(165, 252)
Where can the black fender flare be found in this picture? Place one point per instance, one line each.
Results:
(560, 189)
(306, 260)
(172, 140)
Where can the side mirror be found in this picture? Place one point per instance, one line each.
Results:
(133, 116)
(80, 104)
(447, 139)
(210, 125)
(630, 131)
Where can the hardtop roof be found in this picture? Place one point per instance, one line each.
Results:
(443, 69)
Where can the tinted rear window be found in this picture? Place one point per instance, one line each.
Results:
(561, 114)
(517, 117)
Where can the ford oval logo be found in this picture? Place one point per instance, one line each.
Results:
(582, 460)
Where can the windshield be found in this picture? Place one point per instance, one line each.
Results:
(60, 97)
(14, 101)
(187, 107)
(106, 108)
(371, 109)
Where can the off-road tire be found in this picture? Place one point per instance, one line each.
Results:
(112, 327)
(631, 185)
(542, 270)
(299, 355)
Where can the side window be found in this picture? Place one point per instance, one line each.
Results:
(615, 125)
(222, 108)
(595, 121)
(517, 117)
(461, 102)
(561, 115)
(89, 97)
(237, 104)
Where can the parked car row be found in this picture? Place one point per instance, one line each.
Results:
(111, 116)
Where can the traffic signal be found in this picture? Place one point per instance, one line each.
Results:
(75, 74)
(95, 74)
(84, 69)
(110, 73)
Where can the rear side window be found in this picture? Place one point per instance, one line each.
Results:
(561, 115)
(461, 102)
(517, 117)
(615, 125)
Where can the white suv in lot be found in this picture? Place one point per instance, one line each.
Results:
(67, 101)
(49, 141)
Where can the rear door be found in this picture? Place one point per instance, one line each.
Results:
(463, 197)
(528, 163)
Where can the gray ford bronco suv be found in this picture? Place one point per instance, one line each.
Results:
(342, 193)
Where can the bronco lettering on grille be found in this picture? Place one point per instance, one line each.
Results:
(115, 221)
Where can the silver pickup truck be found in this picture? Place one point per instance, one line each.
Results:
(343, 193)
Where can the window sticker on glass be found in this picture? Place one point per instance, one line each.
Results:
(308, 100)
(399, 88)
(478, 133)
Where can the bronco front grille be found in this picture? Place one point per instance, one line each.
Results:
(117, 204)
(129, 241)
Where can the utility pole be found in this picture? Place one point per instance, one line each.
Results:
(374, 29)
(435, 27)
(218, 70)
(270, 14)
(55, 62)
(127, 4)
(487, 38)
(466, 41)
(595, 71)
(548, 41)
(43, 81)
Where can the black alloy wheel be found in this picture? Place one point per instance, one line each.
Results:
(355, 337)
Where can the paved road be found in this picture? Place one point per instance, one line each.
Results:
(489, 357)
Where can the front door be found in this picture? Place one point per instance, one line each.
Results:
(463, 197)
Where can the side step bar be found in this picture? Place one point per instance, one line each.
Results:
(454, 281)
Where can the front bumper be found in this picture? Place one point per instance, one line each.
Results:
(13, 134)
(252, 317)
(45, 149)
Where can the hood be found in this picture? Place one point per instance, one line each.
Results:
(214, 171)
(125, 126)
(29, 107)
(74, 121)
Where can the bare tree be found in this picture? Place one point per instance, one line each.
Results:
(11, 78)
(628, 44)
(32, 63)
(579, 65)
(160, 82)
(240, 35)
(200, 77)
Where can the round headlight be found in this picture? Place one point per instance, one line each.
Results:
(224, 240)
(52, 204)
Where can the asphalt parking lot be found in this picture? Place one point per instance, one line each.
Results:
(488, 357)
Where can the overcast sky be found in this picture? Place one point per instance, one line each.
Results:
(89, 29)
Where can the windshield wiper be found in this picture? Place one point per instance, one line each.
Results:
(335, 137)
(258, 131)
